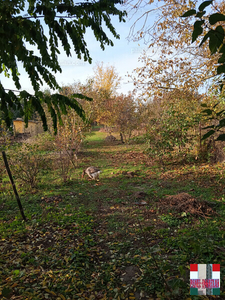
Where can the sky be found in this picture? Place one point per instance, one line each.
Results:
(123, 56)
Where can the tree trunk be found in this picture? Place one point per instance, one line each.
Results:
(121, 137)
(200, 137)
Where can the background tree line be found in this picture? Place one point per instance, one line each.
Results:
(171, 102)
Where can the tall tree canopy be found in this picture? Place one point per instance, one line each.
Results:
(211, 28)
(190, 51)
(23, 24)
(172, 60)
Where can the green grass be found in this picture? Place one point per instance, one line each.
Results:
(95, 136)
(82, 236)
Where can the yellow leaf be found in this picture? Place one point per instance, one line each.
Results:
(50, 292)
(43, 284)
(15, 284)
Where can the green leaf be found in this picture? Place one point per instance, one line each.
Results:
(214, 18)
(80, 96)
(16, 272)
(220, 113)
(204, 5)
(221, 60)
(197, 30)
(222, 123)
(219, 31)
(21, 29)
(221, 137)
(189, 13)
(221, 69)
(216, 39)
(208, 34)
(213, 44)
(208, 127)
(215, 105)
(207, 111)
(200, 14)
(208, 134)
(222, 49)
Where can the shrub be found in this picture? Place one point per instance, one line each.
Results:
(27, 162)
(67, 142)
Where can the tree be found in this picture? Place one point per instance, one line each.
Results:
(87, 89)
(212, 27)
(66, 22)
(125, 117)
(180, 63)
(107, 107)
(171, 62)
(172, 121)
(105, 82)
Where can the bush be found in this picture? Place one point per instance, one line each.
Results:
(67, 142)
(169, 133)
(5, 136)
(44, 141)
(27, 162)
(173, 124)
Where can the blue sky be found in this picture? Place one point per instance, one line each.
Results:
(123, 56)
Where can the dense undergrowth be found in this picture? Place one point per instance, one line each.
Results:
(118, 238)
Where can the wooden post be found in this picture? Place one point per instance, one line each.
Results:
(13, 185)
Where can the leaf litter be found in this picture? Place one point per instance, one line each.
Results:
(183, 202)
(79, 253)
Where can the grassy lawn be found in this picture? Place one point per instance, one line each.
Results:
(131, 235)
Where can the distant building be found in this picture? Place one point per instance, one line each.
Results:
(34, 127)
